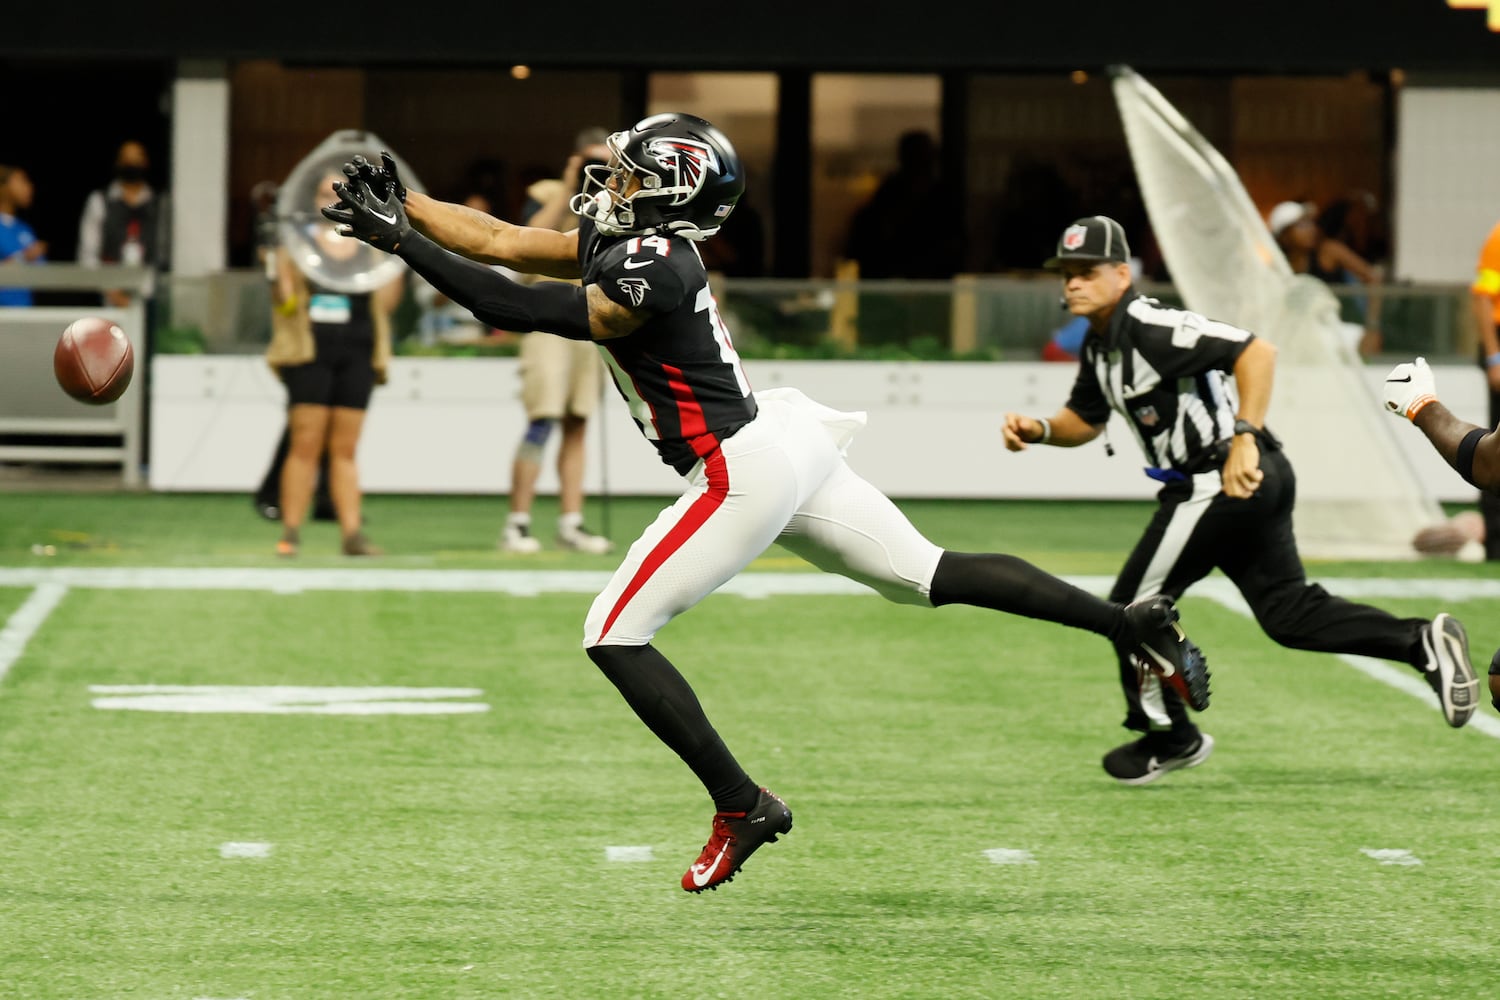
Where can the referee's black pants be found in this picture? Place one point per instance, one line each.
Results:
(1197, 528)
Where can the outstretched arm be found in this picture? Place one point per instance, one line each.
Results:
(493, 298)
(1465, 446)
(563, 309)
(1411, 392)
(487, 239)
(466, 231)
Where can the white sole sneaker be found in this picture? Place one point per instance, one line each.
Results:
(519, 544)
(1448, 669)
(594, 545)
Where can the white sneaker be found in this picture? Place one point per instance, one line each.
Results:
(582, 540)
(517, 538)
(1445, 646)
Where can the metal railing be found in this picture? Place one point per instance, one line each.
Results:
(998, 317)
(38, 421)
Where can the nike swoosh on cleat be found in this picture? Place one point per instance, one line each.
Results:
(631, 265)
(1407, 379)
(700, 879)
(1162, 663)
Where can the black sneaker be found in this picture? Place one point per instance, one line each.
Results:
(268, 509)
(735, 837)
(1495, 680)
(1166, 651)
(1154, 754)
(1445, 647)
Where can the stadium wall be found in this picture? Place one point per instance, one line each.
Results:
(450, 426)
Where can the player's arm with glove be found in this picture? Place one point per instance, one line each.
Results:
(1411, 392)
(382, 222)
(1065, 429)
(470, 232)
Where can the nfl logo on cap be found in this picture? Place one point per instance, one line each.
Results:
(1095, 238)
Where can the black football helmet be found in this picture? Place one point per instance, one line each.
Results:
(690, 178)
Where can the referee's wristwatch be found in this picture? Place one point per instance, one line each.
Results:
(1246, 427)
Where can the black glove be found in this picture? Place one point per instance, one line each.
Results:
(380, 222)
(383, 180)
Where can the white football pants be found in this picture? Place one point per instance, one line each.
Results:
(782, 476)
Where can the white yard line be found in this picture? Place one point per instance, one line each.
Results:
(529, 582)
(28, 618)
(1401, 678)
(52, 582)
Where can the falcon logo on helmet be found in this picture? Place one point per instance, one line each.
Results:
(690, 161)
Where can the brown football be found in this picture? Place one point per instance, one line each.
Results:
(93, 361)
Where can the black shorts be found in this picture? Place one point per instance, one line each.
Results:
(341, 375)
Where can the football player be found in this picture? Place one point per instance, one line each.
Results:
(1411, 392)
(758, 467)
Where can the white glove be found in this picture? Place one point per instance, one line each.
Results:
(1408, 388)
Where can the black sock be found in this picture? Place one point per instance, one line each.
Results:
(664, 701)
(1006, 583)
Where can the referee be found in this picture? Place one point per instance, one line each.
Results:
(1194, 392)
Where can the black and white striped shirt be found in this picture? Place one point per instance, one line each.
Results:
(1168, 372)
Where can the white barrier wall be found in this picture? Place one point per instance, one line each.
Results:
(451, 426)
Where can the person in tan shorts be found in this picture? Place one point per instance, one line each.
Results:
(561, 381)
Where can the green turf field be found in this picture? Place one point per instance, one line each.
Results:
(955, 836)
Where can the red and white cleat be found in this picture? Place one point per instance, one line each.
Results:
(735, 837)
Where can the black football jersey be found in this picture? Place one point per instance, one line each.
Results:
(678, 372)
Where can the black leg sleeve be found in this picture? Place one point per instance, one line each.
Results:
(1006, 583)
(665, 702)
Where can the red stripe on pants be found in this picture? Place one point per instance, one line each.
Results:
(717, 472)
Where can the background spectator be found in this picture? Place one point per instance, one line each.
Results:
(330, 348)
(126, 222)
(1310, 251)
(561, 381)
(1485, 297)
(910, 228)
(18, 243)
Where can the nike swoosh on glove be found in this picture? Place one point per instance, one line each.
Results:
(1408, 388)
(360, 213)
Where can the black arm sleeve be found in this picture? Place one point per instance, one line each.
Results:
(493, 298)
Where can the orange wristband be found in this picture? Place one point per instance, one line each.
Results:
(1417, 406)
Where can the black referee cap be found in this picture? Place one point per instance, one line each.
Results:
(1095, 238)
